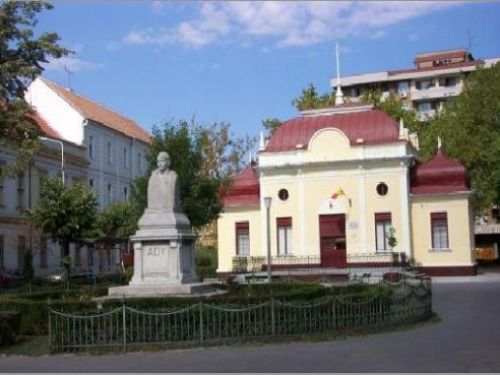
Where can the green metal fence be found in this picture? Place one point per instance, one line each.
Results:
(126, 327)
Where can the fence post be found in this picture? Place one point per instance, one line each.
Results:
(273, 321)
(124, 326)
(50, 325)
(201, 321)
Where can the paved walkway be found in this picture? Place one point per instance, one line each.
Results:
(466, 340)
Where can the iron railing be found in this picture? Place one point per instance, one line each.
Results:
(312, 262)
(125, 327)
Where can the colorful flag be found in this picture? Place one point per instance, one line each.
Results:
(338, 193)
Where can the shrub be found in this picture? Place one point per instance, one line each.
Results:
(9, 327)
(206, 261)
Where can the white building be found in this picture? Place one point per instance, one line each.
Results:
(436, 77)
(102, 147)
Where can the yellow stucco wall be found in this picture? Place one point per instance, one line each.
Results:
(226, 233)
(460, 234)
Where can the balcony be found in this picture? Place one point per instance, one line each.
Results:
(436, 92)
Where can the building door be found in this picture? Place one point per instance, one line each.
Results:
(332, 240)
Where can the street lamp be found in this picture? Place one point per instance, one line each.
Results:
(267, 203)
(62, 153)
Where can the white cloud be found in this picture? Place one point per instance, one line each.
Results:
(73, 64)
(288, 23)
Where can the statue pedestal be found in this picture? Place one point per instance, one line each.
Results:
(163, 257)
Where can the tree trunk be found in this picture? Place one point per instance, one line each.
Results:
(66, 261)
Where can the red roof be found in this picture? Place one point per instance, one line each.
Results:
(373, 126)
(45, 127)
(439, 175)
(97, 112)
(440, 55)
(441, 67)
(244, 189)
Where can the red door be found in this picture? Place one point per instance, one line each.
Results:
(332, 240)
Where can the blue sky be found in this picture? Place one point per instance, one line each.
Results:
(242, 62)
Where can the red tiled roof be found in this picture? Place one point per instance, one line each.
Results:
(97, 112)
(244, 189)
(439, 175)
(373, 126)
(441, 67)
(45, 127)
(440, 55)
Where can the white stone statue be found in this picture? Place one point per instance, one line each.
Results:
(163, 187)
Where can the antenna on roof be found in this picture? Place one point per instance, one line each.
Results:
(339, 97)
(470, 39)
(69, 72)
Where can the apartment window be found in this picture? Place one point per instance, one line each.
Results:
(139, 157)
(21, 250)
(109, 194)
(43, 252)
(403, 87)
(91, 182)
(284, 228)
(439, 230)
(424, 85)
(20, 190)
(383, 225)
(110, 153)
(125, 158)
(243, 239)
(42, 177)
(355, 92)
(125, 193)
(91, 147)
(424, 107)
(451, 81)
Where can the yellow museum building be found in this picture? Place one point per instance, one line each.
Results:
(345, 186)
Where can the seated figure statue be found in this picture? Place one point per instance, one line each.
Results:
(163, 187)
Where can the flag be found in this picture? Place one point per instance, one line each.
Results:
(338, 193)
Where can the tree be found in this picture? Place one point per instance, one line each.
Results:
(117, 223)
(271, 124)
(223, 154)
(21, 59)
(470, 129)
(67, 213)
(310, 99)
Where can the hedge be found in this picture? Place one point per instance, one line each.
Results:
(9, 327)
(34, 311)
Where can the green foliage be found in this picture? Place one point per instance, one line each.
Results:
(203, 158)
(310, 99)
(470, 129)
(271, 124)
(21, 58)
(206, 261)
(117, 223)
(392, 238)
(9, 327)
(67, 213)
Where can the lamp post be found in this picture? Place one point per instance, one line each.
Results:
(267, 203)
(62, 153)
